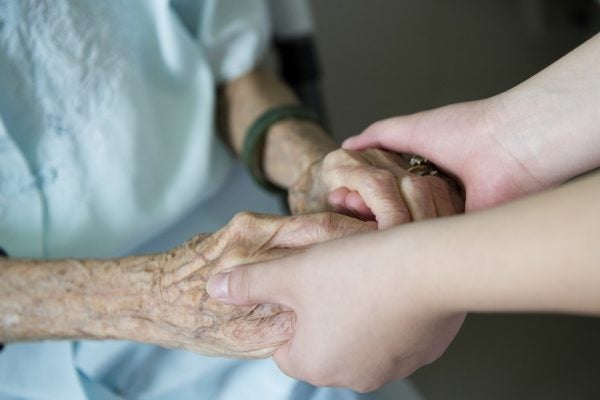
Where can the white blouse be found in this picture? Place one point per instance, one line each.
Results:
(107, 116)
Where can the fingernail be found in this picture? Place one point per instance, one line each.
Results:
(218, 286)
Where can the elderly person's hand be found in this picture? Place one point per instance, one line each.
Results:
(162, 298)
(373, 185)
(298, 155)
(202, 324)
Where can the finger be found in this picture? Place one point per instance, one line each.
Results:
(395, 134)
(379, 191)
(389, 161)
(355, 203)
(416, 193)
(373, 165)
(251, 284)
(418, 197)
(441, 196)
(337, 198)
(310, 229)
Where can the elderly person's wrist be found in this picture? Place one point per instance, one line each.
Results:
(292, 147)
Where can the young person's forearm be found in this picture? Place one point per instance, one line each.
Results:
(291, 145)
(540, 254)
(556, 117)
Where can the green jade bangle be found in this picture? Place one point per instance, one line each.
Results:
(254, 142)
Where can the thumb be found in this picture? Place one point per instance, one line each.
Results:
(403, 134)
(248, 284)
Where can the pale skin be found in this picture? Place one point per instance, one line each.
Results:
(162, 298)
(412, 285)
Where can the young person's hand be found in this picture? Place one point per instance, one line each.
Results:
(359, 322)
(376, 306)
(532, 137)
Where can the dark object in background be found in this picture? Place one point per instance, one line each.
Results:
(299, 66)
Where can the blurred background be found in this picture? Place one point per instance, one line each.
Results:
(382, 58)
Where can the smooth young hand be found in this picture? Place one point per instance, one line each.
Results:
(359, 322)
(532, 137)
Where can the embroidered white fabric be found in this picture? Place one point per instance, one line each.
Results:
(107, 116)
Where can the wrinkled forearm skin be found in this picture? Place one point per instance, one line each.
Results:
(157, 299)
(74, 298)
(162, 298)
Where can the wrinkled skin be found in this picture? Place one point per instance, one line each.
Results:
(188, 318)
(373, 185)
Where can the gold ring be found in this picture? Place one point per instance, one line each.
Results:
(421, 166)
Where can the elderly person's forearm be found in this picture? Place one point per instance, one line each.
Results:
(162, 298)
(94, 299)
(157, 298)
(291, 145)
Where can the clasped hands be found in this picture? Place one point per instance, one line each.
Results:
(374, 187)
(365, 310)
(359, 321)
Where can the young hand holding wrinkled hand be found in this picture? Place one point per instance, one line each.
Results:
(375, 307)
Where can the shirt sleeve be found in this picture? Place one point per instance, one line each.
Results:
(234, 35)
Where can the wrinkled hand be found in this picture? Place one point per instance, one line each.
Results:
(185, 316)
(373, 185)
(357, 324)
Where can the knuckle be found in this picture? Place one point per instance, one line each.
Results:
(340, 158)
(326, 222)
(379, 178)
(242, 218)
(411, 179)
(332, 159)
(409, 184)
